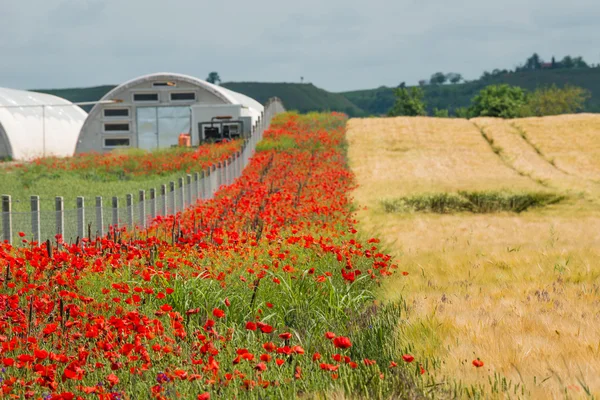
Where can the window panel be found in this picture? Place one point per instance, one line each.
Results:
(116, 112)
(145, 97)
(120, 127)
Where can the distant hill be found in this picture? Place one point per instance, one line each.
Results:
(295, 96)
(379, 101)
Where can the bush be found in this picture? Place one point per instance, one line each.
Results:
(443, 113)
(553, 100)
(409, 102)
(502, 101)
(475, 202)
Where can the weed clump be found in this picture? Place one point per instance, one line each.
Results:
(474, 202)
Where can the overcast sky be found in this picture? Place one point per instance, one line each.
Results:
(336, 44)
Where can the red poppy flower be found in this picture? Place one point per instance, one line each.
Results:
(285, 336)
(218, 313)
(251, 326)
(329, 335)
(478, 363)
(408, 358)
(342, 342)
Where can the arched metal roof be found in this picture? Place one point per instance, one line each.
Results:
(36, 124)
(228, 96)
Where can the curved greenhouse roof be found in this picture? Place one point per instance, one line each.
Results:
(151, 111)
(36, 125)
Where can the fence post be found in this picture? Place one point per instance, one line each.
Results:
(115, 213)
(188, 181)
(173, 209)
(7, 218)
(205, 187)
(80, 217)
(129, 205)
(153, 203)
(197, 188)
(99, 216)
(163, 193)
(142, 208)
(35, 218)
(59, 206)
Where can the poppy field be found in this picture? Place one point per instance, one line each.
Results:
(265, 291)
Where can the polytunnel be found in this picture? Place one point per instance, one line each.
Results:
(37, 125)
(153, 111)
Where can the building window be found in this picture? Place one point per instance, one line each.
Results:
(116, 112)
(145, 97)
(117, 127)
(113, 142)
(162, 84)
(187, 96)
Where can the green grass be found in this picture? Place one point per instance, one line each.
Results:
(474, 202)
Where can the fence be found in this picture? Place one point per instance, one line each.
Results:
(94, 217)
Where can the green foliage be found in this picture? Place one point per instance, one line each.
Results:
(409, 102)
(503, 101)
(214, 78)
(378, 101)
(441, 113)
(475, 202)
(553, 100)
(461, 112)
(439, 78)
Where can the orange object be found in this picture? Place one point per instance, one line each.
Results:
(185, 140)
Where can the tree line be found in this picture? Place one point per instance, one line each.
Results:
(533, 63)
(503, 101)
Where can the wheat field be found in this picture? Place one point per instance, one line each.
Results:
(520, 291)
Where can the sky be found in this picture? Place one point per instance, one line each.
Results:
(337, 45)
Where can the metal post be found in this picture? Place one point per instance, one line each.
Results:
(197, 183)
(153, 203)
(59, 206)
(129, 204)
(188, 181)
(80, 217)
(163, 194)
(214, 181)
(181, 199)
(7, 218)
(142, 208)
(115, 212)
(173, 209)
(35, 218)
(205, 187)
(218, 175)
(99, 217)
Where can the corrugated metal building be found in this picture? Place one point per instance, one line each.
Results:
(151, 111)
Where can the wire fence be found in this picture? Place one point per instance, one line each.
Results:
(93, 217)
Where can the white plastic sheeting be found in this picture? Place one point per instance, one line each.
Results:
(35, 125)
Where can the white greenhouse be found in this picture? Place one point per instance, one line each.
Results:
(153, 111)
(37, 125)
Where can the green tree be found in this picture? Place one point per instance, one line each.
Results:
(454, 77)
(553, 100)
(409, 102)
(439, 78)
(213, 77)
(503, 101)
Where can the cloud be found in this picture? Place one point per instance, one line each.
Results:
(338, 45)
